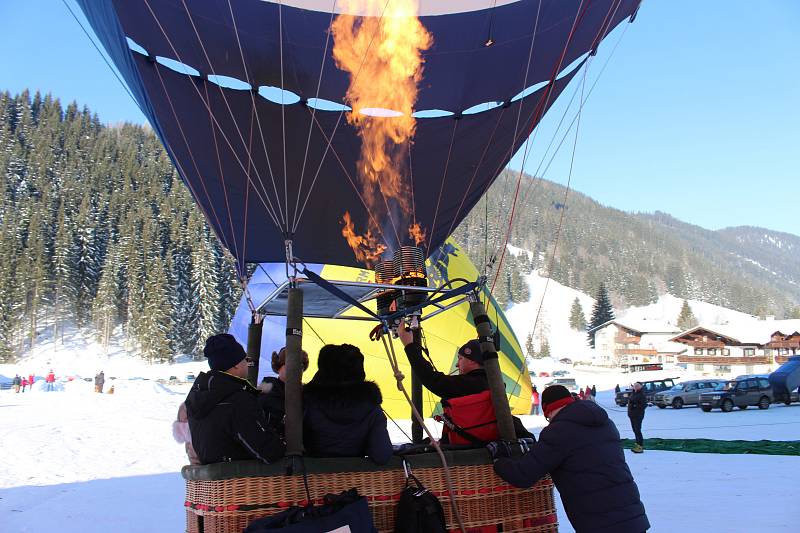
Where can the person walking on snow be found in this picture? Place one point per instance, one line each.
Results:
(637, 402)
(24, 383)
(31, 379)
(50, 380)
(534, 401)
(99, 380)
(16, 383)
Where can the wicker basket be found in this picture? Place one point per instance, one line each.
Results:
(226, 497)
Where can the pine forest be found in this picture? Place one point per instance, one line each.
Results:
(98, 232)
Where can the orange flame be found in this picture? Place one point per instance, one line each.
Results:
(416, 232)
(366, 247)
(382, 53)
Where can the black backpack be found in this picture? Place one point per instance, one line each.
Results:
(418, 511)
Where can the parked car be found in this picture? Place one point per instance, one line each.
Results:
(189, 378)
(569, 383)
(560, 373)
(544, 374)
(650, 389)
(741, 393)
(565, 361)
(686, 393)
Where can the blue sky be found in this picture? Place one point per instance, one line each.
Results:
(696, 115)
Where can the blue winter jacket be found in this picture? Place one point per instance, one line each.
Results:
(581, 450)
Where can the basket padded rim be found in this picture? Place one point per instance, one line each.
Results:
(329, 465)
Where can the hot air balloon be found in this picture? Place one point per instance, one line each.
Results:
(445, 331)
(267, 111)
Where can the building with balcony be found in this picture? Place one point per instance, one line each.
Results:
(630, 342)
(751, 347)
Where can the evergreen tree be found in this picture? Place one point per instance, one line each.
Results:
(602, 311)
(530, 351)
(544, 350)
(577, 320)
(104, 308)
(63, 264)
(686, 319)
(157, 312)
(205, 283)
(86, 273)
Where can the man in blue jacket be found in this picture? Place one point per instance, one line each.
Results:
(581, 451)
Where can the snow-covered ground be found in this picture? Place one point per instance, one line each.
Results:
(74, 460)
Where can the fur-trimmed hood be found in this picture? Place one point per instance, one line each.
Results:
(342, 402)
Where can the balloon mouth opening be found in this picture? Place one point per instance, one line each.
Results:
(379, 112)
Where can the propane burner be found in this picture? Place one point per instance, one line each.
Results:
(384, 273)
(407, 268)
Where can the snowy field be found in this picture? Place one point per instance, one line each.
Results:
(76, 461)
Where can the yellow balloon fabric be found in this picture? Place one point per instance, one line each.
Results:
(444, 334)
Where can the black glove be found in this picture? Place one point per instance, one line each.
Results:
(510, 448)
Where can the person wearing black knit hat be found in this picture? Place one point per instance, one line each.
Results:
(581, 451)
(342, 415)
(466, 400)
(225, 420)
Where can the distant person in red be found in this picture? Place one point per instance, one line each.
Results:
(50, 380)
(534, 401)
(31, 380)
(24, 383)
(580, 394)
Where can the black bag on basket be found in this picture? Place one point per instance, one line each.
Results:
(418, 510)
(340, 513)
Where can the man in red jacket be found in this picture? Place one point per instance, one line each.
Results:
(50, 380)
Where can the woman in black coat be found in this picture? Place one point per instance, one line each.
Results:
(637, 402)
(342, 415)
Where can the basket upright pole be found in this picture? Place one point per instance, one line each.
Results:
(416, 396)
(294, 372)
(491, 364)
(254, 347)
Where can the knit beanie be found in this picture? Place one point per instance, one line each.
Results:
(553, 397)
(223, 351)
(472, 351)
(339, 363)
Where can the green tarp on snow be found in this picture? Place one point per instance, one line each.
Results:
(760, 447)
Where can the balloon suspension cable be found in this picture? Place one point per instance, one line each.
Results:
(392, 356)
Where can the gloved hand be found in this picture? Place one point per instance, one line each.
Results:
(510, 448)
(526, 444)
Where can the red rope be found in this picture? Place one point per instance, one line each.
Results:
(537, 116)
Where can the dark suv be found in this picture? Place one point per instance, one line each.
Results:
(650, 388)
(742, 393)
